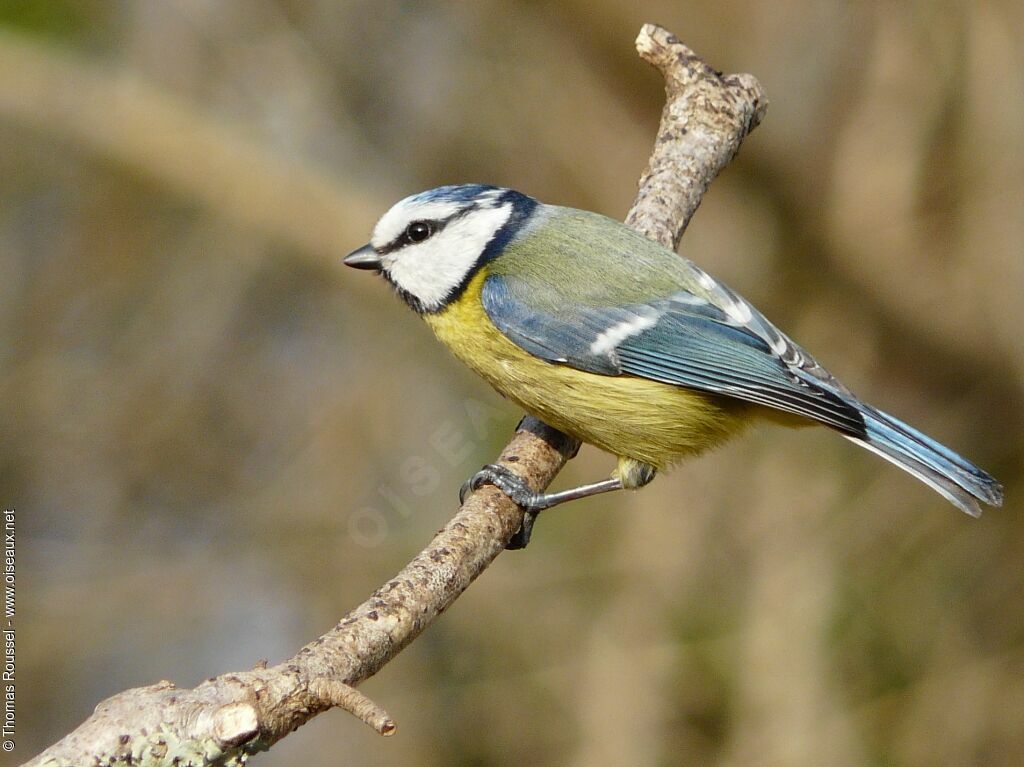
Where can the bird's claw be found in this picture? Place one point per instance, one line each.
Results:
(512, 485)
(508, 482)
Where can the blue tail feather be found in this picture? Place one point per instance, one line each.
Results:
(957, 479)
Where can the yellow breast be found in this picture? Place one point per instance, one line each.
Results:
(630, 417)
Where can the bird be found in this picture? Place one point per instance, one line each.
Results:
(613, 339)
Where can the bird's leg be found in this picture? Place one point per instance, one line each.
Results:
(532, 503)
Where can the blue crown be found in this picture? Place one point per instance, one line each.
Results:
(462, 193)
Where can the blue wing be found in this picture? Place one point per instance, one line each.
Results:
(681, 339)
(718, 343)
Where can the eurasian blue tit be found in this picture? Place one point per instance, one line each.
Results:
(613, 339)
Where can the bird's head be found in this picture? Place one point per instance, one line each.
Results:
(431, 244)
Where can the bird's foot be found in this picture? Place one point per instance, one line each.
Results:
(530, 502)
(512, 485)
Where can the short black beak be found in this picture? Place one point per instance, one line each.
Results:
(363, 258)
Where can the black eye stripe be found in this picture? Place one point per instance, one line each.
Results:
(436, 225)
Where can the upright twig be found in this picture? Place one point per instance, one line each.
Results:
(231, 716)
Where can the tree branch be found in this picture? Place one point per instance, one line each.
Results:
(226, 718)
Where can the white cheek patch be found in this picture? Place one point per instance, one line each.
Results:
(393, 222)
(432, 269)
(616, 334)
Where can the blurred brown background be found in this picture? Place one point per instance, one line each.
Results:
(218, 440)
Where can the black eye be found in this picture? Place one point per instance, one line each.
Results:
(418, 231)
